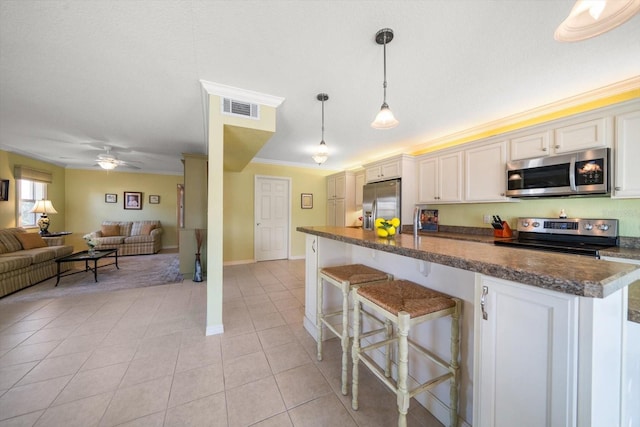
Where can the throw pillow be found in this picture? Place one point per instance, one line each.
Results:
(145, 230)
(31, 240)
(110, 230)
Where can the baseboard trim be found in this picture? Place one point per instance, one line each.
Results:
(239, 262)
(297, 257)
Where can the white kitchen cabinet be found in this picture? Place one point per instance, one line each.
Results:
(336, 212)
(383, 171)
(336, 186)
(360, 179)
(533, 145)
(581, 136)
(627, 152)
(485, 173)
(341, 204)
(440, 178)
(526, 367)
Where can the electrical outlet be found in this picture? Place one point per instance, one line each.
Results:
(486, 219)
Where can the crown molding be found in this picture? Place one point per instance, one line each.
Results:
(598, 98)
(241, 94)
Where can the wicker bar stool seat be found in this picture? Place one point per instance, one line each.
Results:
(344, 277)
(406, 304)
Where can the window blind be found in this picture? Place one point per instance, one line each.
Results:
(25, 172)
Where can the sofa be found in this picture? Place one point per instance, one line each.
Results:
(27, 259)
(129, 237)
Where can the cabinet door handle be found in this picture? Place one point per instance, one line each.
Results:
(313, 246)
(544, 148)
(483, 302)
(618, 188)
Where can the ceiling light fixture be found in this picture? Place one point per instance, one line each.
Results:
(106, 164)
(384, 119)
(590, 18)
(322, 153)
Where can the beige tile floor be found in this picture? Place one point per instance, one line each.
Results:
(140, 358)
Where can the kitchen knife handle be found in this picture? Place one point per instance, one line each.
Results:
(483, 302)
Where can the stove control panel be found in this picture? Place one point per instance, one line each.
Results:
(575, 226)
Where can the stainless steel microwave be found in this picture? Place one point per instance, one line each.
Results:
(581, 173)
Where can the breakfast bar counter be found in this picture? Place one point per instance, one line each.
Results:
(544, 335)
(573, 274)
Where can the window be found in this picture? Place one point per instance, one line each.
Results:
(28, 193)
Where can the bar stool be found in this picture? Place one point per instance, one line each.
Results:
(344, 277)
(406, 304)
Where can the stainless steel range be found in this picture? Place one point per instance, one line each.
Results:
(566, 235)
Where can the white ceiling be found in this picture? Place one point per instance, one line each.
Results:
(76, 76)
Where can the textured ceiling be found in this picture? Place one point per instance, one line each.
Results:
(76, 76)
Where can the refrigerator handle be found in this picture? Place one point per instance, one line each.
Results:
(374, 214)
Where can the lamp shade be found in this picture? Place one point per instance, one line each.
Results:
(43, 207)
(384, 119)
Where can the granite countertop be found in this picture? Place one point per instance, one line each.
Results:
(586, 277)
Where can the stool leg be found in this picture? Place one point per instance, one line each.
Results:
(455, 367)
(319, 315)
(403, 368)
(344, 339)
(388, 332)
(355, 350)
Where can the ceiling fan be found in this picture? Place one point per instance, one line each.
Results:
(109, 161)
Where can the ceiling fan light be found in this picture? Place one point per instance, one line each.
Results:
(105, 164)
(589, 18)
(384, 119)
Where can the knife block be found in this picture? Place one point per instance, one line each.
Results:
(505, 232)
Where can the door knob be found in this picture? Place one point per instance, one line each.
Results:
(257, 223)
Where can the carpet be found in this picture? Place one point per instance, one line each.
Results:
(135, 272)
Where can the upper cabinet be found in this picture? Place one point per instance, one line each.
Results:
(550, 139)
(440, 178)
(627, 152)
(485, 173)
(582, 136)
(382, 171)
(336, 186)
(531, 145)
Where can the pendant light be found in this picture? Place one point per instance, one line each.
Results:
(322, 153)
(384, 119)
(589, 18)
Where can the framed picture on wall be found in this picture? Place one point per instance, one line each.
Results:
(4, 190)
(306, 201)
(132, 200)
(154, 199)
(110, 198)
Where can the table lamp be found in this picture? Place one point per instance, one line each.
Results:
(43, 207)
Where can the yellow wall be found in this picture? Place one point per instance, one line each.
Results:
(86, 208)
(78, 196)
(239, 210)
(55, 190)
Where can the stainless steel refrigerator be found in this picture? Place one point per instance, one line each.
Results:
(380, 200)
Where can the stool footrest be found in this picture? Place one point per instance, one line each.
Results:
(430, 384)
(429, 354)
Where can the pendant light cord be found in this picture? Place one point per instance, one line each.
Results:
(384, 83)
(322, 140)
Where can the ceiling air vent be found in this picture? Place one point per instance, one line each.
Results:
(247, 110)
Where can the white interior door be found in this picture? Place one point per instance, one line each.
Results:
(272, 211)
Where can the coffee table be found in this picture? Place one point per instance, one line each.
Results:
(85, 256)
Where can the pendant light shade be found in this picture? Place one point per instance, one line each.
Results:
(590, 18)
(385, 118)
(322, 153)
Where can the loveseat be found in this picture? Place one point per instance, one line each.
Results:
(129, 237)
(26, 259)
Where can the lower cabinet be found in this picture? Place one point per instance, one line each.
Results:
(525, 371)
